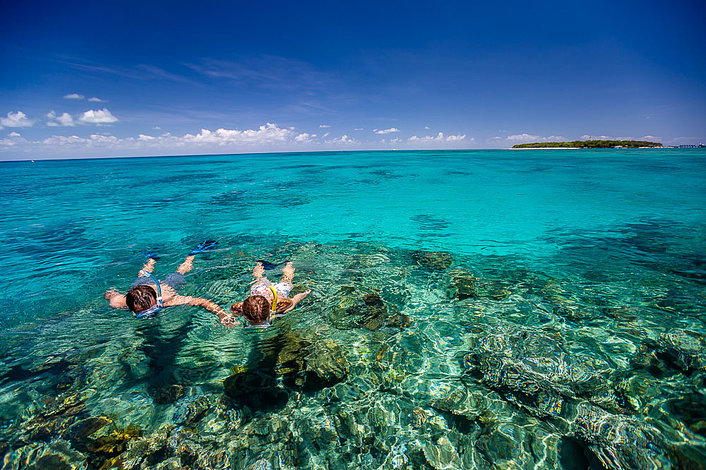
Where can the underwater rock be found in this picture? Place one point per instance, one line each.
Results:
(257, 389)
(364, 261)
(168, 394)
(677, 350)
(689, 348)
(497, 446)
(463, 285)
(433, 260)
(57, 416)
(55, 455)
(327, 362)
(442, 455)
(618, 441)
(191, 412)
(374, 312)
(260, 464)
(496, 290)
(356, 309)
(418, 417)
(148, 451)
(691, 410)
(104, 451)
(399, 320)
(86, 427)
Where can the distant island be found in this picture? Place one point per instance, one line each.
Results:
(590, 144)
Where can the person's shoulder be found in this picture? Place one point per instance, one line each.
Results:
(283, 304)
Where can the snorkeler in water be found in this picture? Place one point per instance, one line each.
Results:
(268, 300)
(148, 295)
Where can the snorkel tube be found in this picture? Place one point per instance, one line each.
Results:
(274, 300)
(152, 311)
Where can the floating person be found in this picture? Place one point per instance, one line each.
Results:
(148, 295)
(268, 300)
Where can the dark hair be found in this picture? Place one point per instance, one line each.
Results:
(256, 309)
(140, 298)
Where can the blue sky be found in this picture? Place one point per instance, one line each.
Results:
(118, 78)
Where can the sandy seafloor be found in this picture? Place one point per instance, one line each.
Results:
(479, 309)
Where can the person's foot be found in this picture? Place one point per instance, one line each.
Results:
(288, 272)
(258, 270)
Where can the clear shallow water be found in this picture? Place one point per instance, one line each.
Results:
(562, 326)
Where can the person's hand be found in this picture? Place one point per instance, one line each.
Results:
(230, 321)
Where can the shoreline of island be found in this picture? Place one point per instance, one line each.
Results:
(589, 144)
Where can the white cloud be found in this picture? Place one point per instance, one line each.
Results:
(324, 126)
(64, 120)
(522, 137)
(386, 131)
(598, 137)
(99, 116)
(13, 138)
(92, 140)
(440, 137)
(268, 137)
(304, 137)
(344, 139)
(268, 133)
(74, 96)
(96, 100)
(358, 129)
(18, 119)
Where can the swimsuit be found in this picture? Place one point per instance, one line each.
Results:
(174, 280)
(263, 288)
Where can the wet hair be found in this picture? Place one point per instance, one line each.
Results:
(256, 309)
(140, 298)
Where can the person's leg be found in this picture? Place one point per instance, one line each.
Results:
(287, 273)
(257, 272)
(187, 265)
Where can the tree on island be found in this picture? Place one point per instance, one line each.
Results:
(590, 144)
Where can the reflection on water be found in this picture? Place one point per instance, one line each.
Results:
(399, 358)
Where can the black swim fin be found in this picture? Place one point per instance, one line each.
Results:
(270, 266)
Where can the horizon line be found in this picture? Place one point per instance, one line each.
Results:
(125, 157)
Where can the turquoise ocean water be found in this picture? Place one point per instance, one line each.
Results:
(470, 309)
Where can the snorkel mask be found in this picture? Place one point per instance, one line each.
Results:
(153, 310)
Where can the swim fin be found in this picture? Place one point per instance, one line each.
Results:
(270, 266)
(150, 254)
(203, 246)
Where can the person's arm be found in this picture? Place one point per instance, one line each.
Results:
(116, 299)
(224, 317)
(296, 299)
